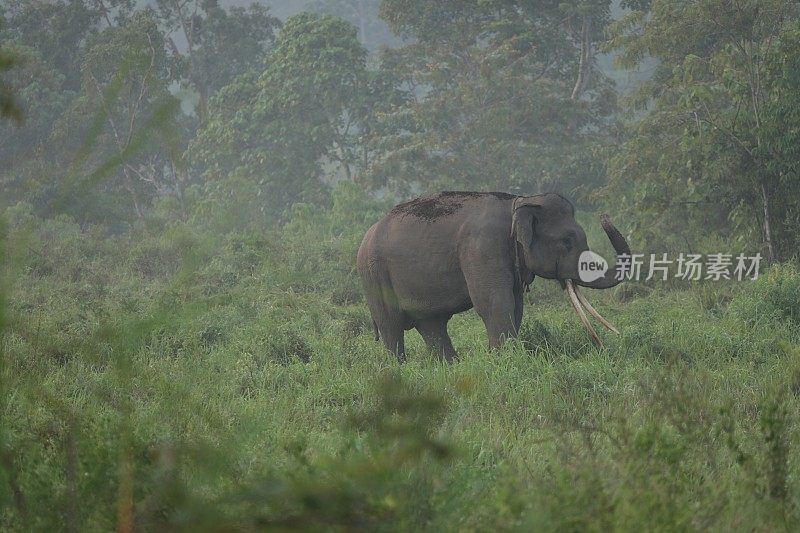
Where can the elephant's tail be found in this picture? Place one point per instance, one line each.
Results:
(375, 330)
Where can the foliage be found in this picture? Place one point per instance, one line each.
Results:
(118, 65)
(58, 30)
(275, 129)
(31, 80)
(8, 107)
(505, 97)
(125, 87)
(220, 44)
(708, 152)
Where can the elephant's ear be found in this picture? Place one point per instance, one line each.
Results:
(524, 218)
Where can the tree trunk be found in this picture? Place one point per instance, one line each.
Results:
(585, 59)
(202, 105)
(362, 23)
(767, 225)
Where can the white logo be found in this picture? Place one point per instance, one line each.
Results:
(591, 266)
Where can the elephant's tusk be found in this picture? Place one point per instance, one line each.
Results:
(578, 309)
(592, 311)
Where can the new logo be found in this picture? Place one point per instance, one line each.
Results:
(591, 266)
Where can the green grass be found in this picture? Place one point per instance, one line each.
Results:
(181, 385)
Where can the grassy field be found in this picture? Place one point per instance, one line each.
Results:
(161, 381)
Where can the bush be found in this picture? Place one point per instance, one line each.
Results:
(774, 296)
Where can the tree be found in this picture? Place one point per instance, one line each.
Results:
(39, 97)
(281, 127)
(49, 41)
(131, 139)
(705, 152)
(8, 106)
(502, 96)
(220, 44)
(59, 29)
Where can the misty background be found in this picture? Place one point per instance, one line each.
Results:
(255, 108)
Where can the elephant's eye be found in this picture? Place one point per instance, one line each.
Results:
(567, 242)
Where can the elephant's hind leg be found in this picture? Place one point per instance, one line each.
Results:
(434, 332)
(393, 337)
(390, 323)
(387, 320)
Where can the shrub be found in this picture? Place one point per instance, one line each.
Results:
(774, 296)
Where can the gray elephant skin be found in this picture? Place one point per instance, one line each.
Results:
(439, 255)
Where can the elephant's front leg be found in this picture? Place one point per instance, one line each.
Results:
(495, 301)
(499, 316)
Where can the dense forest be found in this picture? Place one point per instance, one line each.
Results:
(183, 339)
(194, 105)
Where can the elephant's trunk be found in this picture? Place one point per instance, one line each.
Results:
(616, 275)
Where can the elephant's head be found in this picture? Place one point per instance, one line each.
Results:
(550, 243)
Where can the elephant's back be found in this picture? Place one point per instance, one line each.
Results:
(442, 207)
(440, 220)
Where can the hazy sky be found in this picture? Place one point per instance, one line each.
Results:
(279, 8)
(287, 8)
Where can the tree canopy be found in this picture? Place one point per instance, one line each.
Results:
(710, 147)
(207, 107)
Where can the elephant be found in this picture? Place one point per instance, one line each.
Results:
(435, 256)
